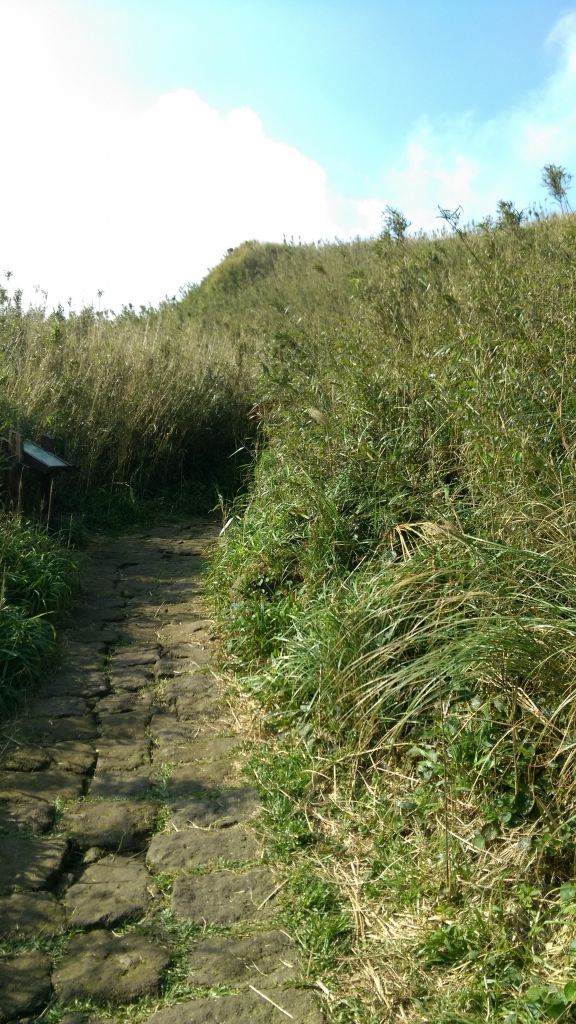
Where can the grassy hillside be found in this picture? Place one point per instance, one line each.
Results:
(398, 592)
(396, 589)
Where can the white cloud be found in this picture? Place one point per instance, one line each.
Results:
(101, 193)
(101, 190)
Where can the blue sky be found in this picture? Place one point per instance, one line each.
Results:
(344, 81)
(144, 137)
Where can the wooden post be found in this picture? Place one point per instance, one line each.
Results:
(47, 492)
(47, 484)
(47, 443)
(15, 478)
(16, 443)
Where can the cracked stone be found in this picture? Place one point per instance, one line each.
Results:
(57, 707)
(42, 785)
(170, 852)
(229, 808)
(113, 889)
(26, 815)
(264, 958)
(49, 731)
(30, 863)
(224, 897)
(129, 726)
(122, 755)
(121, 785)
(118, 969)
(25, 914)
(24, 985)
(245, 1008)
(114, 825)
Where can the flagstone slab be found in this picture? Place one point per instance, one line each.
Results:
(120, 703)
(207, 748)
(245, 1008)
(49, 731)
(224, 897)
(73, 756)
(172, 852)
(26, 815)
(134, 655)
(131, 680)
(122, 755)
(103, 637)
(24, 985)
(112, 890)
(188, 780)
(57, 707)
(199, 709)
(118, 969)
(122, 785)
(230, 807)
(167, 730)
(263, 958)
(97, 613)
(110, 824)
(87, 683)
(195, 685)
(128, 726)
(43, 785)
(27, 759)
(25, 913)
(30, 863)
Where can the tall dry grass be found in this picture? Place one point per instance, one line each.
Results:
(140, 401)
(398, 591)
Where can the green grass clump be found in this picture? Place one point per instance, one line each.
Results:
(38, 578)
(398, 592)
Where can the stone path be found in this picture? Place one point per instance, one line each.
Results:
(128, 868)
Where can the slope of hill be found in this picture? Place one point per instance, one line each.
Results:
(398, 591)
(396, 587)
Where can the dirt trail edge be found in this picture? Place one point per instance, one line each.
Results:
(131, 882)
